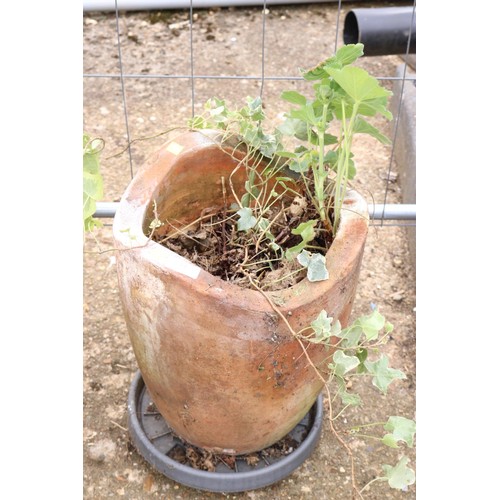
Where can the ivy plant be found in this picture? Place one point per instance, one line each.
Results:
(92, 181)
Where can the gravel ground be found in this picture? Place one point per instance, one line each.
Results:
(226, 41)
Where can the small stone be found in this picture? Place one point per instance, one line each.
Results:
(397, 262)
(102, 451)
(397, 297)
(305, 489)
(341, 470)
(390, 177)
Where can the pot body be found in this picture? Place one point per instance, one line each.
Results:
(221, 366)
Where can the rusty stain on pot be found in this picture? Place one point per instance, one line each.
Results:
(221, 367)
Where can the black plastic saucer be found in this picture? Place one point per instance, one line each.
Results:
(154, 439)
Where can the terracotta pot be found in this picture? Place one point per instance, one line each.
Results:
(221, 366)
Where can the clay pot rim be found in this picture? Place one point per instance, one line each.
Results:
(129, 236)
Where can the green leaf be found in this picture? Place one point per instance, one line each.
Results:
(294, 97)
(390, 441)
(316, 265)
(89, 207)
(400, 476)
(323, 328)
(382, 374)
(92, 180)
(198, 122)
(362, 355)
(253, 109)
(322, 325)
(306, 114)
(371, 324)
(330, 139)
(403, 429)
(345, 55)
(359, 84)
(92, 185)
(247, 220)
(306, 230)
(301, 165)
(348, 398)
(316, 270)
(363, 127)
(343, 363)
(294, 127)
(351, 335)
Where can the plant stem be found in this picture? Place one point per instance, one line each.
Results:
(366, 425)
(343, 162)
(372, 481)
(368, 436)
(319, 173)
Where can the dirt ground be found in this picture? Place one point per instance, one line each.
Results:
(226, 41)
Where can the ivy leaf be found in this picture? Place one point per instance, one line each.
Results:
(390, 441)
(300, 165)
(294, 127)
(322, 325)
(323, 328)
(316, 265)
(403, 429)
(400, 476)
(92, 181)
(371, 324)
(348, 398)
(247, 220)
(343, 363)
(382, 374)
(362, 355)
(253, 110)
(92, 185)
(351, 335)
(198, 122)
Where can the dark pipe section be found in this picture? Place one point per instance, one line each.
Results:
(383, 31)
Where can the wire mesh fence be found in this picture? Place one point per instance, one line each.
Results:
(174, 77)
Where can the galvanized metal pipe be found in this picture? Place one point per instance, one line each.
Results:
(109, 5)
(390, 211)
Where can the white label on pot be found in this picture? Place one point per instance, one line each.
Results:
(163, 257)
(174, 148)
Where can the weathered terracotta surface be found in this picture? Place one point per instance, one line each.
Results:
(222, 368)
